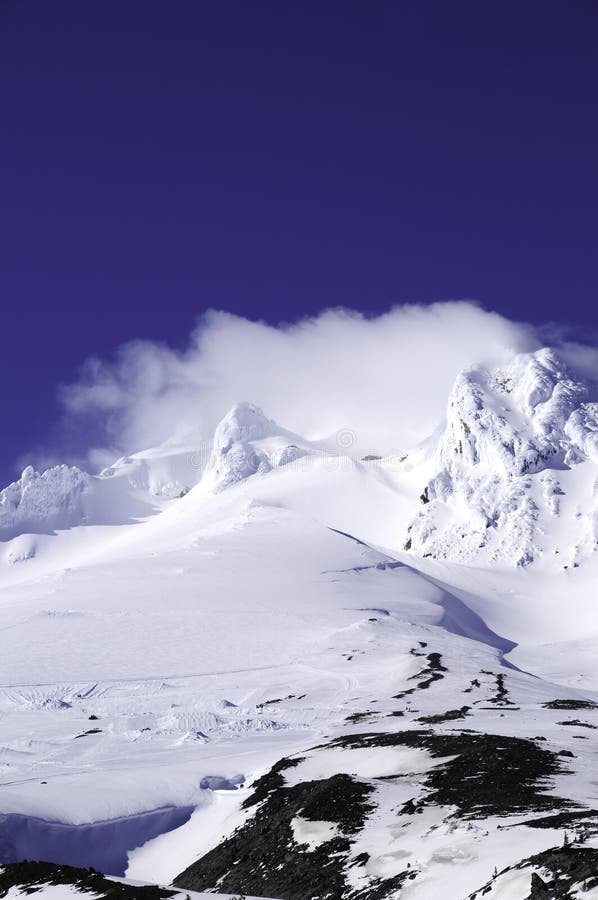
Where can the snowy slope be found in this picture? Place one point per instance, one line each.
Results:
(227, 654)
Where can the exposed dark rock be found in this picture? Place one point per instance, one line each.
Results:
(490, 775)
(431, 673)
(278, 700)
(501, 697)
(383, 887)
(539, 890)
(435, 665)
(484, 775)
(564, 869)
(359, 716)
(261, 857)
(448, 716)
(27, 875)
(272, 780)
(578, 723)
(570, 704)
(411, 807)
(586, 818)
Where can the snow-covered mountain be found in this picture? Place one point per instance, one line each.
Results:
(246, 443)
(515, 468)
(271, 666)
(54, 499)
(64, 497)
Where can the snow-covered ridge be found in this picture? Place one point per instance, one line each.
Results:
(512, 436)
(55, 498)
(246, 443)
(522, 418)
(166, 471)
(63, 496)
(511, 477)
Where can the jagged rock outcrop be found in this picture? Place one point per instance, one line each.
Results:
(511, 433)
(247, 443)
(54, 499)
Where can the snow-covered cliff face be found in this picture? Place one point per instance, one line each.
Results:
(504, 466)
(246, 443)
(516, 419)
(54, 499)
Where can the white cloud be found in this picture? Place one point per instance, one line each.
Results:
(385, 377)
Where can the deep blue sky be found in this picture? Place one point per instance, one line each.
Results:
(158, 157)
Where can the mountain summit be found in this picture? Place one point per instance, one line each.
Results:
(247, 443)
(504, 466)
